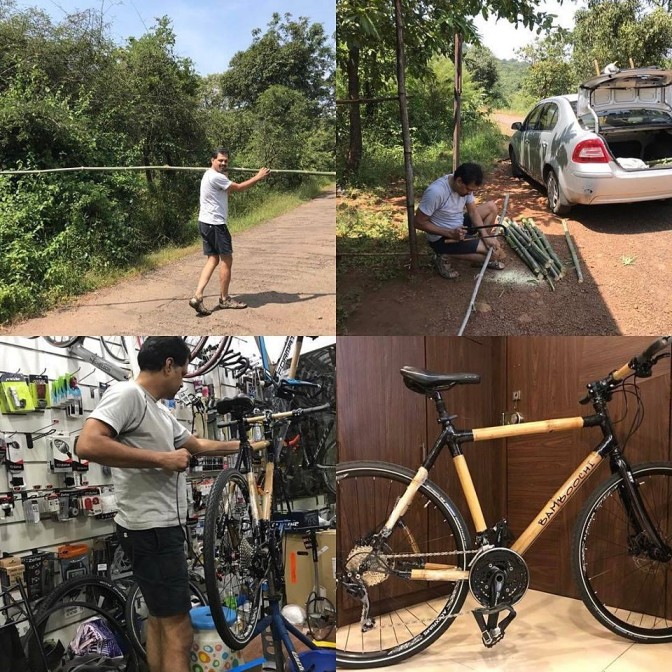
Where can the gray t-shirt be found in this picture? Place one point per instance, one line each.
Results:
(214, 198)
(443, 206)
(146, 497)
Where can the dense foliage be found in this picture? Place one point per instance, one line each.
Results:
(70, 96)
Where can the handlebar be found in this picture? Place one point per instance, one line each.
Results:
(641, 365)
(294, 413)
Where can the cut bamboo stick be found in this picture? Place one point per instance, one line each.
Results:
(572, 250)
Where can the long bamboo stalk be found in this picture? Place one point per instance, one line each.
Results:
(537, 237)
(534, 251)
(572, 250)
(184, 168)
(524, 243)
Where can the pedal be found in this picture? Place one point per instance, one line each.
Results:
(492, 632)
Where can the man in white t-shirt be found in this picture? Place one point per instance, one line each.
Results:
(212, 224)
(452, 233)
(131, 431)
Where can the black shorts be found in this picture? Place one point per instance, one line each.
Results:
(159, 565)
(468, 245)
(216, 238)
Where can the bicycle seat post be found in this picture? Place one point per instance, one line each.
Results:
(441, 411)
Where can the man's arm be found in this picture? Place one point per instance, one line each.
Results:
(241, 186)
(97, 443)
(422, 222)
(207, 446)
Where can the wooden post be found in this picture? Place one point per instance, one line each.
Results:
(406, 134)
(457, 104)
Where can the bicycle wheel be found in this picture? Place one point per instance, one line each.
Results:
(62, 341)
(408, 615)
(115, 347)
(209, 357)
(61, 621)
(235, 564)
(320, 616)
(95, 590)
(622, 586)
(136, 615)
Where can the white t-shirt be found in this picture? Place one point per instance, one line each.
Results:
(146, 497)
(443, 206)
(214, 198)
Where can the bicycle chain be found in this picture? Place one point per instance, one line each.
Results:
(429, 555)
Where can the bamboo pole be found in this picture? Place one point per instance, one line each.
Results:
(482, 273)
(518, 248)
(551, 251)
(537, 237)
(536, 253)
(183, 168)
(406, 135)
(572, 250)
(457, 103)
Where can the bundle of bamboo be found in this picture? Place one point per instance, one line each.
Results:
(532, 246)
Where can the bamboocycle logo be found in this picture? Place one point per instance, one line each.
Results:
(562, 499)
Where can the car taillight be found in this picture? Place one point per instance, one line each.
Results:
(590, 151)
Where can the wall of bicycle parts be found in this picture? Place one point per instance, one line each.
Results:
(380, 419)
(48, 499)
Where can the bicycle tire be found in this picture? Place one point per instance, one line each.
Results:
(33, 654)
(320, 616)
(212, 359)
(100, 591)
(366, 494)
(63, 341)
(116, 349)
(135, 615)
(232, 557)
(600, 574)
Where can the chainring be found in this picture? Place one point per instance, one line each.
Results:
(500, 566)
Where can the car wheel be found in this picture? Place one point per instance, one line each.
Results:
(515, 167)
(553, 194)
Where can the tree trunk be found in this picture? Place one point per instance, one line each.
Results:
(457, 106)
(355, 150)
(406, 134)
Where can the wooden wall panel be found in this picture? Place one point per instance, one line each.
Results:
(551, 374)
(476, 406)
(378, 418)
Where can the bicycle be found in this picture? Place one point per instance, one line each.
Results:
(242, 546)
(397, 528)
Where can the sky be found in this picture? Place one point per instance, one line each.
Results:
(209, 32)
(502, 37)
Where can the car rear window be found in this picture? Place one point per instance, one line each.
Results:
(624, 118)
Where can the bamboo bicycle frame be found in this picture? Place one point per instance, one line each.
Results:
(437, 572)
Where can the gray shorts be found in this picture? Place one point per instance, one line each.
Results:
(216, 238)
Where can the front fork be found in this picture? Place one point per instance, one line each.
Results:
(639, 518)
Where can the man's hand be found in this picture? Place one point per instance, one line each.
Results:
(456, 234)
(263, 173)
(177, 460)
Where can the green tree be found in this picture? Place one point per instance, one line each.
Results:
(482, 65)
(292, 53)
(609, 31)
(550, 72)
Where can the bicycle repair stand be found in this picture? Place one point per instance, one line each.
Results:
(275, 629)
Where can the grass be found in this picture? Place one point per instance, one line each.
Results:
(275, 205)
(371, 215)
(627, 260)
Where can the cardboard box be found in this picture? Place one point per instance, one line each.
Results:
(326, 562)
(299, 573)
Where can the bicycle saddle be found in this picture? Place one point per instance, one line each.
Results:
(426, 382)
(237, 406)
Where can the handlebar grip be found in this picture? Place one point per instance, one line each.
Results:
(646, 356)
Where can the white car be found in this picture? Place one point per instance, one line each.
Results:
(611, 143)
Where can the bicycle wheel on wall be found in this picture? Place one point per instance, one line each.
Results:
(622, 586)
(62, 341)
(234, 560)
(408, 615)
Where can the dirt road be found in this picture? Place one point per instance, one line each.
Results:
(625, 253)
(284, 269)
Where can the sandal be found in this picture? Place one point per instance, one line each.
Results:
(496, 265)
(230, 302)
(444, 268)
(197, 305)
